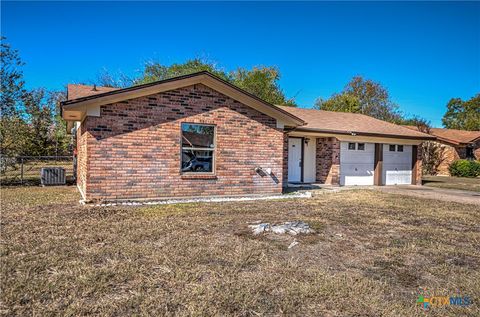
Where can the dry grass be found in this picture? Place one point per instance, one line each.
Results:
(462, 183)
(372, 253)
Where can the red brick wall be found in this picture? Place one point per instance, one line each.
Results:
(134, 147)
(328, 161)
(449, 155)
(476, 150)
(418, 176)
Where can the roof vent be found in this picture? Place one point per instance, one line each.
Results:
(94, 87)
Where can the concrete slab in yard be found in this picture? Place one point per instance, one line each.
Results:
(451, 195)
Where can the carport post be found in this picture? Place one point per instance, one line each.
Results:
(377, 176)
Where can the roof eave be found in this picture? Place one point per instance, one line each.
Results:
(356, 133)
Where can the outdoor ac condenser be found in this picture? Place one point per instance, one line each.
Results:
(53, 176)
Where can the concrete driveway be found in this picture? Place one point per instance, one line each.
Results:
(453, 195)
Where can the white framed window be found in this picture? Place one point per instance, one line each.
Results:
(356, 146)
(198, 148)
(391, 147)
(399, 148)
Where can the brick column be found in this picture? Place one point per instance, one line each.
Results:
(328, 161)
(417, 164)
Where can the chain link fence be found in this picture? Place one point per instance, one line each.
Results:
(25, 170)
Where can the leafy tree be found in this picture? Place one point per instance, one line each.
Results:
(463, 115)
(342, 102)
(13, 129)
(12, 83)
(155, 71)
(422, 124)
(47, 131)
(364, 96)
(262, 82)
(40, 122)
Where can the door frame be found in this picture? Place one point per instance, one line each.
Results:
(302, 156)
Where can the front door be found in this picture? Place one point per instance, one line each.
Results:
(294, 159)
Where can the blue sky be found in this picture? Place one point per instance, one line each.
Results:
(424, 53)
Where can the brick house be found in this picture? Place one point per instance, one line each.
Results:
(197, 135)
(456, 145)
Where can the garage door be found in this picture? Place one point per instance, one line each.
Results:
(397, 164)
(357, 163)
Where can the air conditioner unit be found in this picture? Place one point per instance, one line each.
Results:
(53, 176)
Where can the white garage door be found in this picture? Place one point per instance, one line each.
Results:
(397, 164)
(357, 163)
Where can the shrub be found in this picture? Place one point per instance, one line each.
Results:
(465, 168)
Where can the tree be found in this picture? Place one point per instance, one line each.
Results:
(432, 151)
(47, 132)
(154, 71)
(363, 96)
(40, 122)
(463, 115)
(12, 83)
(262, 82)
(117, 80)
(340, 102)
(421, 124)
(12, 126)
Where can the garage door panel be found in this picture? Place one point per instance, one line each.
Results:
(397, 166)
(357, 166)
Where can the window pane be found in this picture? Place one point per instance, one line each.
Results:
(197, 135)
(197, 161)
(470, 154)
(361, 146)
(351, 146)
(400, 148)
(391, 148)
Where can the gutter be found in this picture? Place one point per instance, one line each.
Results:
(354, 133)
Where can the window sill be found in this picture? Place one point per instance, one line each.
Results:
(198, 176)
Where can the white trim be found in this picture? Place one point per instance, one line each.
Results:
(217, 199)
(358, 138)
(93, 111)
(81, 193)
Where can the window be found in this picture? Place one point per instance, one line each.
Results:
(391, 148)
(399, 148)
(351, 146)
(198, 148)
(361, 146)
(469, 153)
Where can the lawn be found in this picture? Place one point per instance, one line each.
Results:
(463, 183)
(372, 255)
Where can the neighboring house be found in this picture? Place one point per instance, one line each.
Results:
(198, 135)
(456, 145)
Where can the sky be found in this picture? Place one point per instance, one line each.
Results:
(425, 53)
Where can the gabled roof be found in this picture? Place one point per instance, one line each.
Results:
(453, 136)
(75, 91)
(75, 108)
(351, 124)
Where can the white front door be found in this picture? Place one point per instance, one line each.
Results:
(397, 164)
(294, 159)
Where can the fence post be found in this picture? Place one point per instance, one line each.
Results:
(21, 171)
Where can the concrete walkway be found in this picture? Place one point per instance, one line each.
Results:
(452, 195)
